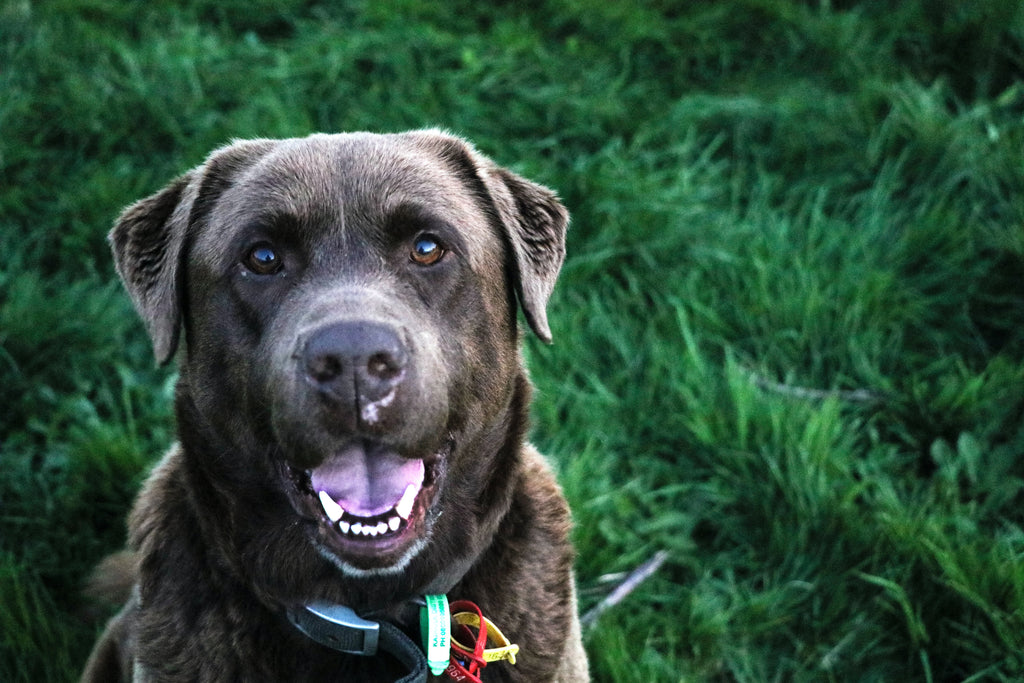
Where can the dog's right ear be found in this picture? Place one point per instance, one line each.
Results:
(148, 239)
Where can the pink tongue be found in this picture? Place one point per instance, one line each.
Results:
(367, 484)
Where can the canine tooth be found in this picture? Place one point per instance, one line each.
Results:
(333, 510)
(344, 526)
(404, 507)
(357, 528)
(394, 523)
(382, 527)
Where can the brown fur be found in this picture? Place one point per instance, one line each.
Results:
(223, 536)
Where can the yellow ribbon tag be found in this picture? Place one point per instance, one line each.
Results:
(505, 649)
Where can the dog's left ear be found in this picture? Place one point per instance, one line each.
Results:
(536, 223)
(533, 219)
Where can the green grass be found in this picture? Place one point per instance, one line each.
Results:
(789, 337)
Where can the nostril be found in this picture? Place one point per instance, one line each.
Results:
(383, 366)
(324, 367)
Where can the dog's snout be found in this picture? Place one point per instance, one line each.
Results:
(355, 361)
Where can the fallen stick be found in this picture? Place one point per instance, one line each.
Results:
(628, 585)
(809, 394)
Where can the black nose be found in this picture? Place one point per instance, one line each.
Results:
(355, 361)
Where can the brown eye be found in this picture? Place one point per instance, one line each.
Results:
(263, 260)
(426, 251)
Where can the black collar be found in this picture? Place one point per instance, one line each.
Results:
(340, 628)
(337, 627)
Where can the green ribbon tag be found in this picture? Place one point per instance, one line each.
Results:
(435, 626)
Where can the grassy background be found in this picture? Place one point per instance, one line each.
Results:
(789, 338)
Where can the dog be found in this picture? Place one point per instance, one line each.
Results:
(352, 415)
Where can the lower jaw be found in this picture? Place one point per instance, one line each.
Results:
(361, 567)
(369, 549)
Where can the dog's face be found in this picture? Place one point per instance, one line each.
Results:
(349, 309)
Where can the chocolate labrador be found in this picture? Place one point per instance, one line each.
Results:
(352, 415)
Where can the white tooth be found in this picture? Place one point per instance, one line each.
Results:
(404, 507)
(369, 530)
(333, 510)
(344, 526)
(382, 527)
(394, 523)
(357, 528)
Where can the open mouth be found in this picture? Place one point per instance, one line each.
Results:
(370, 501)
(372, 526)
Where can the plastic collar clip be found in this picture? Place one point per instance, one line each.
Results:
(337, 627)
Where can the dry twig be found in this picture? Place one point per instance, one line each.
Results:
(810, 394)
(628, 585)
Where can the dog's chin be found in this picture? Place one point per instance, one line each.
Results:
(371, 528)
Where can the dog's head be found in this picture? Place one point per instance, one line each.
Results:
(348, 305)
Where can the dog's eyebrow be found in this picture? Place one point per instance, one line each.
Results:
(273, 222)
(410, 216)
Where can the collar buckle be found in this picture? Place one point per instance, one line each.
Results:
(337, 627)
